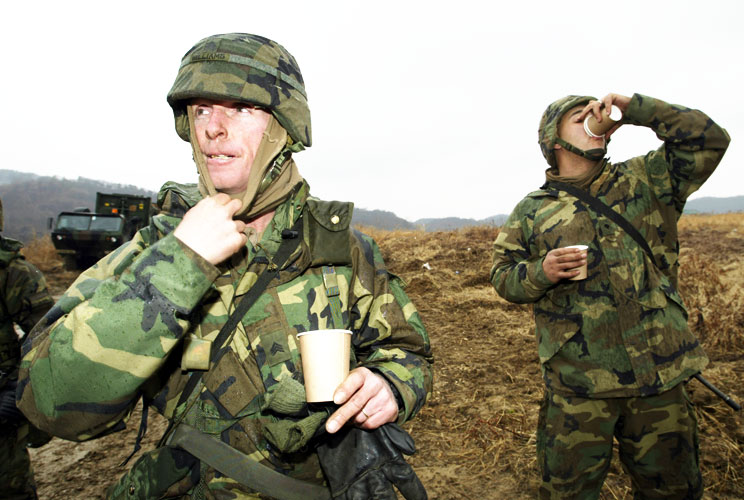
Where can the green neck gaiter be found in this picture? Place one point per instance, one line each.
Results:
(581, 181)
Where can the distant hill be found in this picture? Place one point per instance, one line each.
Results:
(30, 200)
(711, 205)
(379, 219)
(452, 223)
(11, 176)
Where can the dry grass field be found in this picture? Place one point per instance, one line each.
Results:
(475, 437)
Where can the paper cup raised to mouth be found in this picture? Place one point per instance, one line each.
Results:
(325, 362)
(593, 128)
(583, 269)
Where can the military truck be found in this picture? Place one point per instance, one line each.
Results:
(82, 237)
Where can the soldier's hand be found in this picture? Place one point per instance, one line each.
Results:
(560, 263)
(595, 108)
(366, 399)
(209, 229)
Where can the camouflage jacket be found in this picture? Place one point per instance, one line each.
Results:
(116, 334)
(24, 300)
(622, 331)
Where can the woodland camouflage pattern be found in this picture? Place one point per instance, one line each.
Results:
(116, 333)
(245, 68)
(23, 302)
(575, 440)
(623, 331)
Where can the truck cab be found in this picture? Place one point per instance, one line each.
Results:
(82, 237)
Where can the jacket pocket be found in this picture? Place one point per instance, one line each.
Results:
(556, 321)
(233, 383)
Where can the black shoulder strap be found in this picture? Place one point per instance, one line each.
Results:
(602, 208)
(290, 241)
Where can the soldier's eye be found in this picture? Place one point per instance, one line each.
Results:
(201, 111)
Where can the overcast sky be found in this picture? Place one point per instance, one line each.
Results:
(425, 109)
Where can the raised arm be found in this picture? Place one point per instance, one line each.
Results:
(693, 146)
(84, 363)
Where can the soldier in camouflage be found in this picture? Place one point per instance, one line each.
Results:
(126, 327)
(24, 300)
(614, 348)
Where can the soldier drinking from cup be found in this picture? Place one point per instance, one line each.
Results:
(614, 347)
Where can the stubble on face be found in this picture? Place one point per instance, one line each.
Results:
(229, 135)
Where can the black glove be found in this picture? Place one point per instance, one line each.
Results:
(9, 412)
(362, 465)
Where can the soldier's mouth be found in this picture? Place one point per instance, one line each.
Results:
(220, 157)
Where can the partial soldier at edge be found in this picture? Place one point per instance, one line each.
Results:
(24, 299)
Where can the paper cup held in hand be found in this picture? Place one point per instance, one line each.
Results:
(583, 273)
(325, 362)
(593, 128)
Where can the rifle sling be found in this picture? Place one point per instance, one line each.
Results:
(603, 209)
(243, 469)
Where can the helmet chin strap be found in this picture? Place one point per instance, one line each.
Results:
(595, 154)
(278, 164)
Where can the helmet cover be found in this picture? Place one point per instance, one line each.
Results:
(551, 118)
(245, 68)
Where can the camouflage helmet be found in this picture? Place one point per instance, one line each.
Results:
(548, 131)
(246, 68)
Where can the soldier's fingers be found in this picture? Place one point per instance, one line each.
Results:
(573, 260)
(568, 266)
(242, 242)
(597, 110)
(605, 104)
(347, 395)
(366, 386)
(346, 412)
(380, 409)
(607, 100)
(221, 198)
(585, 112)
(232, 206)
(569, 273)
(559, 253)
(353, 382)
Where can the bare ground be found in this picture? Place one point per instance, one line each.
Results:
(475, 438)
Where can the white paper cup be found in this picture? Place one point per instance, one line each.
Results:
(325, 362)
(583, 269)
(593, 128)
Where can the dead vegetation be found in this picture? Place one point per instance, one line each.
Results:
(475, 437)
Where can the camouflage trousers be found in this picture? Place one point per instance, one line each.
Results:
(16, 477)
(656, 436)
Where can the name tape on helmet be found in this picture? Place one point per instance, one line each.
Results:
(246, 61)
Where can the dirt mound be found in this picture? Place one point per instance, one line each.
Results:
(475, 437)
